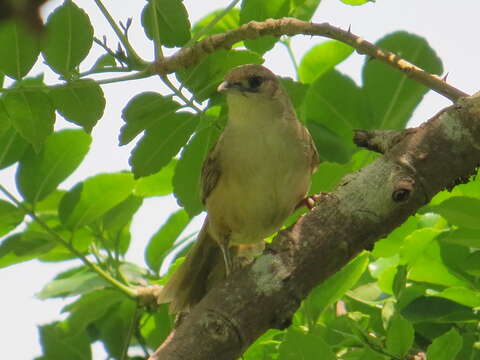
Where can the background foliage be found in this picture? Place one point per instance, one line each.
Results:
(415, 292)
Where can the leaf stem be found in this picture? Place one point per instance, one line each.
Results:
(102, 273)
(121, 36)
(217, 18)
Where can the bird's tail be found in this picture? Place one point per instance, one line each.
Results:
(191, 281)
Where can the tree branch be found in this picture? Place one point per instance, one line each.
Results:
(364, 207)
(190, 56)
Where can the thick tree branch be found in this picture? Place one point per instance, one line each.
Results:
(365, 207)
(190, 56)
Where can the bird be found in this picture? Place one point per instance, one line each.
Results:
(252, 180)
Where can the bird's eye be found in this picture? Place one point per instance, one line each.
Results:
(254, 82)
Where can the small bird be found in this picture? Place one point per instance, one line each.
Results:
(252, 180)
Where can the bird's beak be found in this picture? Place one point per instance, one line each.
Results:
(224, 86)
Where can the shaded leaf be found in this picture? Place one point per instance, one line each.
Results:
(392, 96)
(164, 238)
(24, 246)
(81, 102)
(144, 111)
(161, 143)
(461, 211)
(95, 196)
(68, 38)
(186, 180)
(58, 343)
(20, 49)
(304, 9)
(38, 174)
(437, 310)
(170, 19)
(157, 327)
(12, 147)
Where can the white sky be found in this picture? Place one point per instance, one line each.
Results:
(449, 26)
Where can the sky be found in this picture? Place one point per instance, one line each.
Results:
(450, 27)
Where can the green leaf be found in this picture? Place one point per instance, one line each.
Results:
(12, 147)
(91, 199)
(400, 336)
(390, 245)
(161, 143)
(10, 217)
(121, 215)
(68, 38)
(20, 49)
(260, 10)
(463, 237)
(438, 310)
(144, 111)
(164, 238)
(203, 79)
(356, 2)
(460, 210)
(322, 58)
(58, 343)
(228, 22)
(300, 345)
(331, 147)
(334, 287)
(400, 280)
(106, 61)
(304, 9)
(91, 307)
(392, 96)
(461, 295)
(38, 174)
(170, 19)
(157, 327)
(31, 114)
(445, 347)
(296, 92)
(186, 180)
(158, 184)
(24, 246)
(115, 326)
(79, 283)
(81, 102)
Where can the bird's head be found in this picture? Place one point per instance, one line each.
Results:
(251, 81)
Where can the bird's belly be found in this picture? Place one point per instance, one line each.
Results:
(253, 200)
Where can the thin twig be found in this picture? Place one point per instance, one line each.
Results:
(102, 273)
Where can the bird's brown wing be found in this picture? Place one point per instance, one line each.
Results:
(210, 172)
(312, 151)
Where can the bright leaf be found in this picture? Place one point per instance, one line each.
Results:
(94, 197)
(161, 143)
(400, 336)
(20, 49)
(445, 347)
(335, 286)
(80, 282)
(170, 19)
(32, 114)
(144, 111)
(321, 59)
(304, 9)
(392, 96)
(461, 211)
(38, 174)
(228, 22)
(68, 38)
(356, 2)
(300, 345)
(10, 217)
(260, 10)
(158, 184)
(164, 238)
(81, 102)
